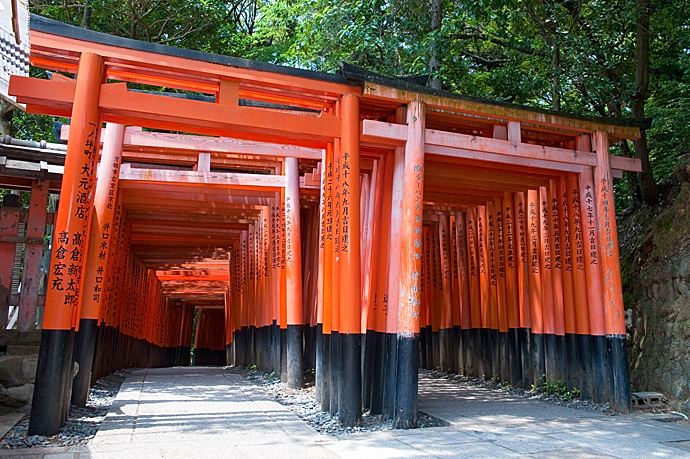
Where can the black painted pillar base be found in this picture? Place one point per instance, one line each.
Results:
(505, 357)
(68, 375)
(84, 349)
(584, 357)
(487, 350)
(283, 355)
(495, 352)
(561, 359)
(435, 350)
(550, 357)
(229, 356)
(318, 371)
(390, 364)
(422, 348)
(49, 390)
(407, 383)
(444, 358)
(335, 372)
(572, 365)
(515, 357)
(376, 406)
(326, 373)
(525, 343)
(470, 358)
(620, 401)
(429, 347)
(275, 344)
(603, 386)
(350, 386)
(295, 356)
(369, 353)
(459, 351)
(467, 357)
(537, 358)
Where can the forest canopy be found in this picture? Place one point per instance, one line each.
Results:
(614, 58)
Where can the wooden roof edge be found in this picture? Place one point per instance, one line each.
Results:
(53, 27)
(374, 85)
(383, 87)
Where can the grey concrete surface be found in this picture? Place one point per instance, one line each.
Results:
(211, 412)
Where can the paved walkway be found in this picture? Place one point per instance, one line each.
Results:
(210, 412)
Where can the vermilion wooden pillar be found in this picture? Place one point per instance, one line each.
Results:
(327, 189)
(350, 326)
(35, 230)
(9, 227)
(614, 309)
(410, 269)
(53, 375)
(97, 257)
(293, 260)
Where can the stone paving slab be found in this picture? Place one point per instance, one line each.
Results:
(9, 420)
(212, 412)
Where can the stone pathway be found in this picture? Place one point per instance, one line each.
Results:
(211, 412)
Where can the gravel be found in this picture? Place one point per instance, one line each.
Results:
(530, 394)
(302, 402)
(82, 423)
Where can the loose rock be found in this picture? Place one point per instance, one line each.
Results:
(82, 424)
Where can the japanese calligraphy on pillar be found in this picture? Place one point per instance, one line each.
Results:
(107, 227)
(577, 223)
(413, 302)
(288, 229)
(275, 230)
(481, 243)
(329, 201)
(591, 228)
(604, 191)
(501, 243)
(545, 239)
(66, 265)
(471, 243)
(265, 235)
(492, 248)
(509, 237)
(556, 225)
(522, 231)
(346, 196)
(445, 262)
(533, 236)
(565, 209)
(336, 235)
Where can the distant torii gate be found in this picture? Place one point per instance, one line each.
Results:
(454, 233)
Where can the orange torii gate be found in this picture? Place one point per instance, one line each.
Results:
(320, 213)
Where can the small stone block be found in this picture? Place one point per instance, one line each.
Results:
(647, 399)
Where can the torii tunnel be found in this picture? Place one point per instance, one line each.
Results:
(358, 225)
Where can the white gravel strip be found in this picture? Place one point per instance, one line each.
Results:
(82, 423)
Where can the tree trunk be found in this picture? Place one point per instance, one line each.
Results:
(86, 18)
(556, 76)
(648, 186)
(434, 65)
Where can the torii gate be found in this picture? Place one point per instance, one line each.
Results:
(478, 237)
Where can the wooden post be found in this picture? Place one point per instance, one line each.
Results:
(31, 277)
(614, 309)
(53, 376)
(535, 287)
(393, 284)
(293, 260)
(410, 268)
(523, 282)
(350, 327)
(97, 257)
(9, 227)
